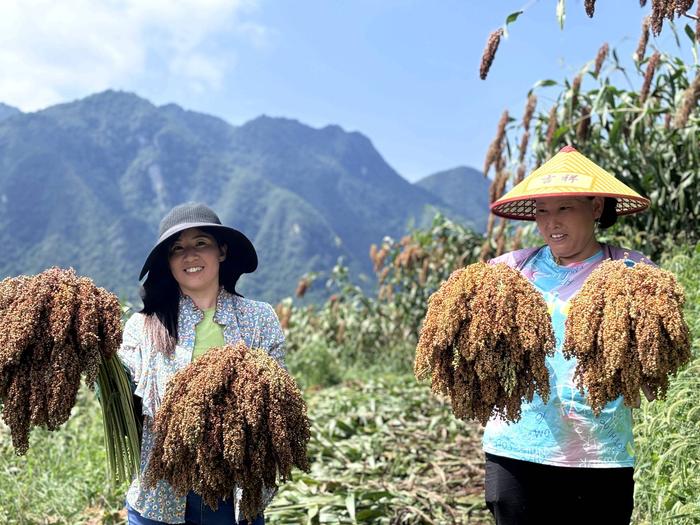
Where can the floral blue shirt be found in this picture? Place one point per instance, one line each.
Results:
(242, 319)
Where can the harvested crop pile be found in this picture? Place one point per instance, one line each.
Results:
(54, 326)
(484, 341)
(627, 331)
(233, 418)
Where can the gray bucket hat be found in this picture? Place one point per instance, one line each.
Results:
(197, 215)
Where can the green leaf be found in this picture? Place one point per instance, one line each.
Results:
(561, 13)
(367, 514)
(545, 83)
(345, 427)
(311, 514)
(691, 34)
(514, 16)
(375, 495)
(615, 131)
(350, 505)
(511, 18)
(674, 30)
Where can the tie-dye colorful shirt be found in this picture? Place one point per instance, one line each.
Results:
(563, 432)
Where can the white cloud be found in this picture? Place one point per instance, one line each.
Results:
(203, 72)
(52, 51)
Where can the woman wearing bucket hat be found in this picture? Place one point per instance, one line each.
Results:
(559, 463)
(190, 304)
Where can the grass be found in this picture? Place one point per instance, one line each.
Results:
(385, 451)
(667, 432)
(63, 477)
(667, 437)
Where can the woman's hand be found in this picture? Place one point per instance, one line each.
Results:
(648, 393)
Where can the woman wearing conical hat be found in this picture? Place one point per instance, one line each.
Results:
(559, 463)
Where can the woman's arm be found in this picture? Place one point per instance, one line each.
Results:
(130, 350)
(271, 334)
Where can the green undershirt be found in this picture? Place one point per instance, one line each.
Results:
(207, 334)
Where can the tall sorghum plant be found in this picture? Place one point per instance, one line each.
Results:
(382, 321)
(648, 137)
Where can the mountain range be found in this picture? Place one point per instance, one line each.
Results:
(85, 183)
(7, 111)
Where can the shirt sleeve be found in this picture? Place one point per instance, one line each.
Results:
(271, 338)
(130, 350)
(271, 335)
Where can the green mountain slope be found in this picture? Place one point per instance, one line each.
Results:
(7, 111)
(84, 184)
(464, 190)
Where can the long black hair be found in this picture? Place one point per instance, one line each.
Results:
(160, 292)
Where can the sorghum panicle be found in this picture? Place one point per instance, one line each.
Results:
(54, 327)
(529, 111)
(590, 7)
(233, 418)
(600, 58)
(682, 6)
(626, 329)
(643, 40)
(490, 52)
(302, 287)
(690, 102)
(522, 149)
(494, 152)
(483, 342)
(649, 76)
(551, 125)
(658, 12)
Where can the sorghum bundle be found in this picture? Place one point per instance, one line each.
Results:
(627, 331)
(54, 326)
(484, 340)
(233, 418)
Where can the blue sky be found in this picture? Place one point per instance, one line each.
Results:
(403, 72)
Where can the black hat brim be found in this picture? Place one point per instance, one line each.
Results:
(239, 246)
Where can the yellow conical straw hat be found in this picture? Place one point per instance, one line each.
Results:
(567, 174)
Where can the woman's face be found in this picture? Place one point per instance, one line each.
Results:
(194, 260)
(567, 225)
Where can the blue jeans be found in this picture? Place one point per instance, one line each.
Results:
(198, 513)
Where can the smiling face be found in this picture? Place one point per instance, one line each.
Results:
(567, 225)
(194, 259)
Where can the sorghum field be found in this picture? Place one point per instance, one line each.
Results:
(383, 450)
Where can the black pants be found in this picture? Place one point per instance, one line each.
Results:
(525, 493)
